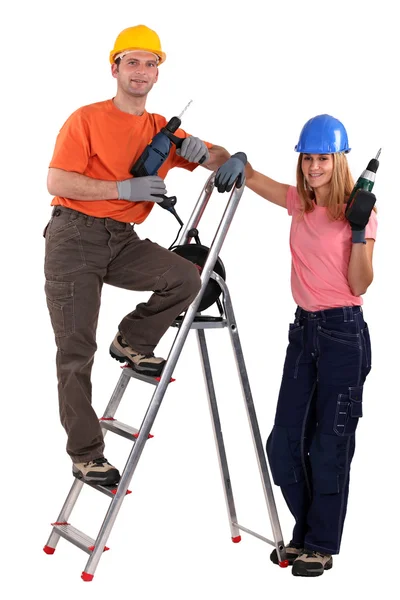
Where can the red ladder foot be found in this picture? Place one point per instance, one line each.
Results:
(236, 539)
(49, 550)
(87, 576)
(284, 564)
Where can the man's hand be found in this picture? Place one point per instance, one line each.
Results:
(193, 149)
(232, 170)
(137, 189)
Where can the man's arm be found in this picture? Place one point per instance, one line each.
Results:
(75, 186)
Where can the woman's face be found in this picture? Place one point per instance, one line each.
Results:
(317, 169)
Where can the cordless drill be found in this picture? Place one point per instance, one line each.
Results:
(362, 200)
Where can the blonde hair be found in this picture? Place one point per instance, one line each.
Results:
(341, 186)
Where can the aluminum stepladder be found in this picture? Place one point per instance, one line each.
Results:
(192, 319)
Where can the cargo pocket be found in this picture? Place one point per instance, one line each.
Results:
(348, 411)
(60, 302)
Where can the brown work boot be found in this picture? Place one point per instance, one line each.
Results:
(146, 364)
(311, 564)
(98, 470)
(292, 552)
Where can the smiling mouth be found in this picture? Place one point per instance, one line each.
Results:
(138, 81)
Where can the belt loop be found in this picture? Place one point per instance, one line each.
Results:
(345, 314)
(89, 221)
(351, 311)
(323, 315)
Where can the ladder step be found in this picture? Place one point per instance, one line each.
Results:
(120, 428)
(203, 322)
(76, 537)
(108, 490)
(147, 378)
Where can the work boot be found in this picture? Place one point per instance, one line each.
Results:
(98, 470)
(146, 364)
(311, 564)
(292, 552)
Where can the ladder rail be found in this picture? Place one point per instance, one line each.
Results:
(167, 371)
(217, 430)
(252, 418)
(198, 210)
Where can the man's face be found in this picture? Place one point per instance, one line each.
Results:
(136, 73)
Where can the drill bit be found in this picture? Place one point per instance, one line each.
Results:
(187, 105)
(379, 152)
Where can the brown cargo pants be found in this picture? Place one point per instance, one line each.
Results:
(82, 253)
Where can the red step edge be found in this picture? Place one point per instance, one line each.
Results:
(136, 435)
(92, 548)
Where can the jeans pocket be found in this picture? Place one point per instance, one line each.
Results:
(294, 350)
(348, 411)
(60, 302)
(64, 250)
(366, 346)
(343, 337)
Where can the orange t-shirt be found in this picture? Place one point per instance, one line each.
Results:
(103, 142)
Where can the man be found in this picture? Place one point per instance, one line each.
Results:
(90, 239)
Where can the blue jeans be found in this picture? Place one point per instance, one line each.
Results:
(312, 443)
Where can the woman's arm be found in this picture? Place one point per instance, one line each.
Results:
(360, 273)
(267, 188)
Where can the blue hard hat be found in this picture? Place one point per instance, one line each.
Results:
(323, 134)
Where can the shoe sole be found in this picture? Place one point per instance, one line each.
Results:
(111, 479)
(141, 370)
(304, 572)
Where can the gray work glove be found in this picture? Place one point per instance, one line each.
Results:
(137, 189)
(193, 149)
(232, 170)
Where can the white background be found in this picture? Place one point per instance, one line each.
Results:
(256, 73)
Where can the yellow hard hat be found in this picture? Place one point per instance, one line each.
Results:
(139, 37)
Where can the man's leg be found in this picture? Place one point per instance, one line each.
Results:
(75, 263)
(142, 265)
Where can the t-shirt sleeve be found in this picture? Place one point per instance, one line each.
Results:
(178, 161)
(372, 226)
(72, 148)
(292, 199)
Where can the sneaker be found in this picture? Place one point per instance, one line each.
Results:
(311, 564)
(292, 552)
(98, 470)
(146, 364)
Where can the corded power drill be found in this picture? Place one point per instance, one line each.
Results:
(362, 200)
(156, 152)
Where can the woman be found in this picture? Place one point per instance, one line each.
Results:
(328, 357)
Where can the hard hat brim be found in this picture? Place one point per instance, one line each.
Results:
(162, 56)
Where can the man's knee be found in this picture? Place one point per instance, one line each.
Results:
(185, 276)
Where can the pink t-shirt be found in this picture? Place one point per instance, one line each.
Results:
(320, 251)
